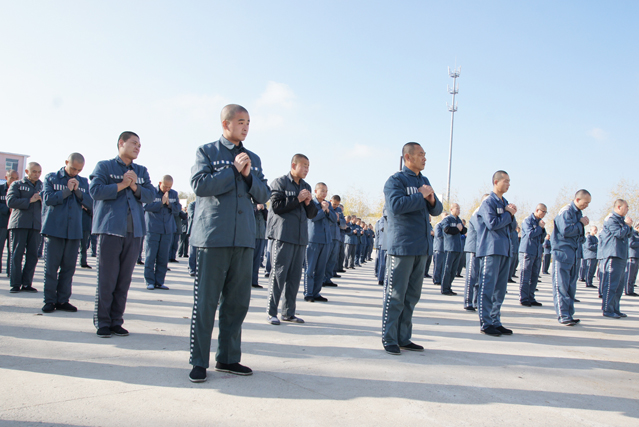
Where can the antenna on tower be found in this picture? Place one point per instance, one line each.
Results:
(452, 108)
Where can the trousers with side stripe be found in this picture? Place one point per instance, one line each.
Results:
(612, 285)
(285, 277)
(438, 267)
(564, 286)
(493, 279)
(223, 274)
(528, 277)
(471, 283)
(451, 263)
(156, 257)
(316, 259)
(590, 271)
(402, 290)
(24, 243)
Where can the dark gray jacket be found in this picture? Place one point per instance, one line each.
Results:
(287, 216)
(25, 214)
(224, 216)
(190, 210)
(4, 209)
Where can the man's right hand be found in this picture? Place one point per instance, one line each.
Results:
(35, 198)
(241, 160)
(426, 190)
(165, 198)
(511, 209)
(325, 206)
(72, 184)
(628, 221)
(584, 220)
(304, 194)
(542, 224)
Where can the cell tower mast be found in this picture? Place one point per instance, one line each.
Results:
(452, 108)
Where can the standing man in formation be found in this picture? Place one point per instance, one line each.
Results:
(453, 229)
(590, 256)
(226, 178)
(261, 215)
(161, 229)
(533, 234)
(119, 187)
(331, 265)
(320, 237)
(494, 222)
(472, 262)
(410, 201)
(25, 222)
(5, 213)
(439, 257)
(613, 250)
(192, 249)
(566, 236)
(291, 207)
(183, 249)
(65, 194)
(547, 246)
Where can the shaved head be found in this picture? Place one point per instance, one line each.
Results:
(229, 111)
(409, 147)
(167, 178)
(542, 207)
(499, 175)
(296, 158)
(581, 194)
(320, 185)
(76, 158)
(620, 202)
(32, 165)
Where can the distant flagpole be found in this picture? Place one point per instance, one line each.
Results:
(452, 108)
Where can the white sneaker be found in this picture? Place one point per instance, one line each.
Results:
(273, 320)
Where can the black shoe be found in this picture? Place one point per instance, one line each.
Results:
(168, 269)
(197, 375)
(568, 322)
(525, 304)
(582, 280)
(266, 275)
(504, 331)
(104, 332)
(449, 293)
(309, 299)
(66, 307)
(329, 284)
(341, 271)
(392, 349)
(48, 307)
(459, 275)
(15, 289)
(29, 289)
(321, 299)
(511, 281)
(257, 286)
(491, 330)
(192, 274)
(173, 260)
(437, 284)
(380, 283)
(515, 277)
(140, 263)
(576, 320)
(411, 346)
(119, 331)
(233, 368)
(337, 276)
(576, 300)
(470, 309)
(590, 286)
(632, 294)
(86, 266)
(427, 276)
(536, 304)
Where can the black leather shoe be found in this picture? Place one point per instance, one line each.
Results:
(576, 300)
(86, 266)
(104, 332)
(337, 276)
(504, 331)
(321, 299)
(411, 346)
(380, 283)
(536, 304)
(119, 331)
(66, 307)
(257, 286)
(392, 349)
(633, 294)
(450, 293)
(511, 281)
(341, 271)
(233, 368)
(330, 284)
(492, 331)
(470, 309)
(29, 289)
(197, 375)
(309, 299)
(173, 260)
(427, 276)
(525, 304)
(48, 307)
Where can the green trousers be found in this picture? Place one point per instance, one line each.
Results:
(224, 275)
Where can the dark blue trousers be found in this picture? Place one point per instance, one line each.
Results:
(192, 260)
(258, 254)
(472, 280)
(493, 279)
(60, 257)
(156, 257)
(451, 263)
(316, 259)
(631, 275)
(84, 246)
(332, 260)
(24, 240)
(438, 269)
(590, 272)
(564, 286)
(612, 289)
(528, 277)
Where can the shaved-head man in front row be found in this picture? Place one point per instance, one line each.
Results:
(410, 201)
(569, 229)
(25, 200)
(613, 250)
(533, 233)
(494, 222)
(65, 193)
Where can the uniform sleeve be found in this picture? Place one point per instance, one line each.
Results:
(311, 210)
(207, 182)
(154, 206)
(176, 207)
(332, 215)
(398, 201)
(51, 196)
(259, 188)
(320, 213)
(14, 201)
(4, 209)
(568, 225)
(99, 188)
(147, 190)
(530, 228)
(491, 219)
(617, 230)
(280, 201)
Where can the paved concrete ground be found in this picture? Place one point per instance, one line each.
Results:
(332, 370)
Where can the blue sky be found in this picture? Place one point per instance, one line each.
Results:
(548, 90)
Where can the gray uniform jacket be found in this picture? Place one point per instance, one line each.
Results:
(319, 227)
(224, 217)
(260, 222)
(287, 216)
(190, 210)
(25, 214)
(4, 209)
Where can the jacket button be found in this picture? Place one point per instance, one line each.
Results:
(239, 195)
(239, 212)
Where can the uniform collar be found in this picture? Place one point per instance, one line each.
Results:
(407, 171)
(618, 217)
(26, 180)
(62, 173)
(120, 161)
(290, 178)
(228, 144)
(575, 208)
